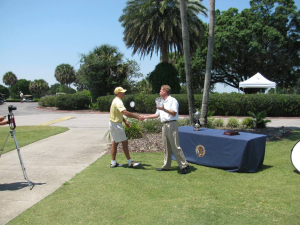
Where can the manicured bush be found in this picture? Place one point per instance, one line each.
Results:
(247, 122)
(47, 101)
(84, 92)
(233, 122)
(225, 104)
(72, 102)
(165, 73)
(219, 123)
(210, 122)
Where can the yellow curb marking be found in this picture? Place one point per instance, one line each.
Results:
(56, 121)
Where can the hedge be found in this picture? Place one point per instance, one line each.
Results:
(72, 102)
(233, 104)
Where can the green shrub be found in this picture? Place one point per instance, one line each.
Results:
(233, 122)
(259, 119)
(151, 126)
(47, 101)
(72, 102)
(84, 92)
(219, 123)
(184, 122)
(210, 122)
(248, 122)
(135, 131)
(94, 106)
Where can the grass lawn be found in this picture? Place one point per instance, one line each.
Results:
(104, 195)
(26, 135)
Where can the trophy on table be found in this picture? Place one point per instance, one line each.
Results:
(197, 115)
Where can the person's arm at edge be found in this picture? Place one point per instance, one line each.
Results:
(3, 121)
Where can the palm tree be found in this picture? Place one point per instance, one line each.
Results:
(204, 111)
(39, 87)
(187, 57)
(102, 70)
(155, 26)
(10, 79)
(65, 74)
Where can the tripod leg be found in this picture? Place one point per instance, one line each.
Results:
(30, 184)
(4, 144)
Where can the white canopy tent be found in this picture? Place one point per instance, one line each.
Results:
(257, 81)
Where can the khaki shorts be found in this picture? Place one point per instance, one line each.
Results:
(117, 132)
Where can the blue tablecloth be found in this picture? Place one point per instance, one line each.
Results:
(243, 153)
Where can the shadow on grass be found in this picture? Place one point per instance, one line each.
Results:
(142, 166)
(294, 136)
(264, 167)
(16, 186)
(296, 171)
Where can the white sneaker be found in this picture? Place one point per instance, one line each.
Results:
(116, 165)
(134, 164)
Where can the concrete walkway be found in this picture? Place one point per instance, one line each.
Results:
(50, 162)
(53, 161)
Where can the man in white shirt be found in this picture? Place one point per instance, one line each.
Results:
(168, 114)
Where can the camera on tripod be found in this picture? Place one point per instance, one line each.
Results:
(12, 124)
(11, 117)
(11, 108)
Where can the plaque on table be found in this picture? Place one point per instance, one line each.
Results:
(231, 132)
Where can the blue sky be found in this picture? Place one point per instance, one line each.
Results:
(38, 35)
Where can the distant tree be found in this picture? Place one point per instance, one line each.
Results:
(144, 87)
(4, 90)
(54, 88)
(102, 70)
(21, 85)
(155, 25)
(39, 87)
(57, 87)
(65, 74)
(264, 38)
(164, 73)
(10, 79)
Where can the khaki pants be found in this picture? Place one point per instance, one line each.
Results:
(171, 144)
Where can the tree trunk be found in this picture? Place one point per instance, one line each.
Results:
(164, 52)
(204, 111)
(187, 58)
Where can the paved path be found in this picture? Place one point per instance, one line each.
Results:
(53, 161)
(50, 162)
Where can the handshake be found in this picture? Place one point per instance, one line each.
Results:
(141, 118)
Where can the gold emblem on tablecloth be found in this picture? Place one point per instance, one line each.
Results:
(200, 150)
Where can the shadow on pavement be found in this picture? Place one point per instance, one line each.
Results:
(16, 186)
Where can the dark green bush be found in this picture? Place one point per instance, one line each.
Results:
(225, 104)
(165, 73)
(84, 92)
(72, 102)
(47, 101)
